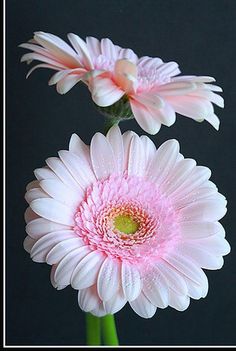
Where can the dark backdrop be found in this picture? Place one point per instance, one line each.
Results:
(200, 36)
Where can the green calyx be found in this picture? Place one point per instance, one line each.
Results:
(119, 111)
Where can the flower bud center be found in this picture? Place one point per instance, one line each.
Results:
(125, 224)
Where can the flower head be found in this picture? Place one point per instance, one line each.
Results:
(115, 75)
(122, 221)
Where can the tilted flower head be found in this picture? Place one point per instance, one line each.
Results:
(115, 75)
(122, 221)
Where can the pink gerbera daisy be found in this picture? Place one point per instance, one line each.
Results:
(121, 221)
(116, 76)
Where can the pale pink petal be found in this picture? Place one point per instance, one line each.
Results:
(189, 268)
(104, 91)
(195, 79)
(58, 48)
(178, 302)
(102, 156)
(86, 272)
(213, 120)
(191, 106)
(109, 279)
(137, 159)
(30, 215)
(164, 161)
(176, 88)
(155, 288)
(204, 210)
(88, 299)
(150, 100)
(41, 226)
(115, 139)
(150, 149)
(94, 47)
(128, 54)
(62, 172)
(108, 49)
(81, 48)
(215, 244)
(99, 310)
(28, 244)
(165, 115)
(62, 193)
(67, 265)
(78, 147)
(149, 62)
(179, 174)
(145, 118)
(33, 184)
(197, 230)
(52, 274)
(34, 194)
(172, 276)
(127, 137)
(170, 69)
(47, 242)
(116, 303)
(60, 250)
(53, 210)
(42, 65)
(67, 83)
(143, 307)
(125, 75)
(38, 57)
(44, 173)
(131, 281)
(80, 168)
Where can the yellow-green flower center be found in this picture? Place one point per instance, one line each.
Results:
(125, 224)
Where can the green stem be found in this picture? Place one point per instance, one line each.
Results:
(109, 333)
(109, 122)
(93, 330)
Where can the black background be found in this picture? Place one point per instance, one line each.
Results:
(200, 36)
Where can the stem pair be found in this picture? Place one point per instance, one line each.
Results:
(98, 328)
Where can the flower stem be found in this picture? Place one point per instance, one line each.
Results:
(93, 330)
(109, 122)
(109, 333)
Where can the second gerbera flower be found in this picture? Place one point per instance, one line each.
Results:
(123, 222)
(151, 87)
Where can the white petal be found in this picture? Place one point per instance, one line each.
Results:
(67, 265)
(53, 210)
(178, 175)
(145, 118)
(47, 242)
(68, 82)
(104, 91)
(80, 168)
(155, 287)
(116, 303)
(78, 147)
(149, 149)
(52, 273)
(115, 139)
(34, 194)
(109, 50)
(164, 161)
(94, 47)
(81, 48)
(176, 88)
(204, 210)
(41, 226)
(30, 215)
(143, 307)
(195, 230)
(137, 160)
(131, 282)
(102, 156)
(44, 173)
(62, 193)
(188, 268)
(88, 299)
(60, 250)
(62, 172)
(174, 279)
(28, 244)
(178, 302)
(86, 272)
(108, 279)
